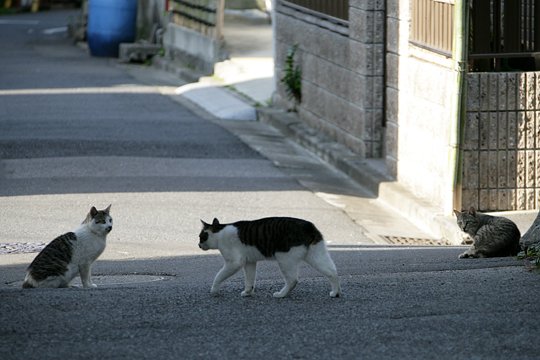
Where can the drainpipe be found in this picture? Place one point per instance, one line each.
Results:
(460, 57)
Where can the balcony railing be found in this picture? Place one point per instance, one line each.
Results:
(505, 35)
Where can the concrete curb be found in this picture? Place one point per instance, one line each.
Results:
(177, 69)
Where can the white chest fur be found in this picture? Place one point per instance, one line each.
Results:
(88, 246)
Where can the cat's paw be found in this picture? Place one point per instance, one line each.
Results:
(214, 292)
(247, 293)
(90, 286)
(463, 256)
(335, 294)
(279, 295)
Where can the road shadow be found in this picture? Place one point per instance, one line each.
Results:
(409, 303)
(351, 261)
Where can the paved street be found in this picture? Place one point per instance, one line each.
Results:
(78, 131)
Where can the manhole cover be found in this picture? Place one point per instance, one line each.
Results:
(403, 240)
(114, 280)
(20, 248)
(109, 280)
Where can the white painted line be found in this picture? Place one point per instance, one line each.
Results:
(57, 30)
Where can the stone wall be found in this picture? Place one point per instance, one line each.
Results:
(193, 35)
(192, 48)
(150, 17)
(342, 73)
(501, 142)
(366, 48)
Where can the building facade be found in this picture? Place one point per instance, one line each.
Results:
(383, 78)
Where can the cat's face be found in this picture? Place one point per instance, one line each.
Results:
(467, 221)
(208, 236)
(100, 221)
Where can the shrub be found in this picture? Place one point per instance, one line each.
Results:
(531, 256)
(292, 79)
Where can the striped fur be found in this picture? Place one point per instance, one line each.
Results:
(53, 260)
(287, 240)
(492, 235)
(278, 234)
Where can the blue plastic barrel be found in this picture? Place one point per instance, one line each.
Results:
(110, 22)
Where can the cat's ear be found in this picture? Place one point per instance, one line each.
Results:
(93, 211)
(108, 209)
(457, 213)
(204, 224)
(215, 222)
(472, 211)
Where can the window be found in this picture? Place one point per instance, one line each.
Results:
(432, 25)
(505, 35)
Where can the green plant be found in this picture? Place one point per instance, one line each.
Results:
(292, 79)
(531, 257)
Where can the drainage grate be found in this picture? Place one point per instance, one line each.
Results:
(20, 248)
(403, 240)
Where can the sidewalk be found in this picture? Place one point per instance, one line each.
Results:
(241, 88)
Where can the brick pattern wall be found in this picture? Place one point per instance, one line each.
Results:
(501, 142)
(367, 36)
(342, 73)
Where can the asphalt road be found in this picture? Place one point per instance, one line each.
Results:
(77, 131)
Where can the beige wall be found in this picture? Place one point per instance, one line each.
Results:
(420, 97)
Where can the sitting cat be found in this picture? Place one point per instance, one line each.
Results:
(71, 253)
(492, 235)
(287, 240)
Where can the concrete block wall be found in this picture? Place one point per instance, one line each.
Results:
(420, 92)
(150, 14)
(195, 44)
(342, 76)
(366, 46)
(192, 48)
(501, 142)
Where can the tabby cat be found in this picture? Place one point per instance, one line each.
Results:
(289, 241)
(71, 254)
(492, 235)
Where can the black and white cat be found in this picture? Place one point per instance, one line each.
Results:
(289, 241)
(71, 254)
